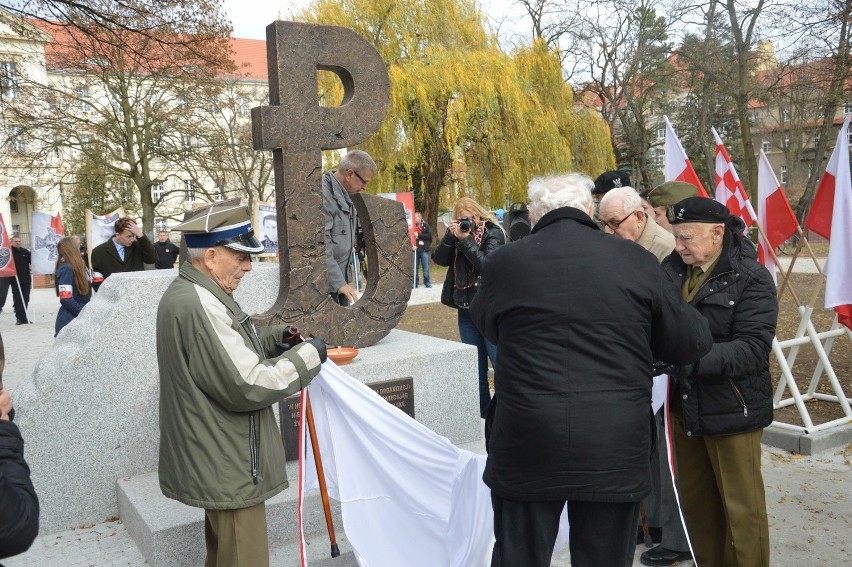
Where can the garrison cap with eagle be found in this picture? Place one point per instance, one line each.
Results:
(671, 192)
(221, 225)
(610, 180)
(699, 209)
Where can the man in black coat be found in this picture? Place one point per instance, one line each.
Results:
(167, 251)
(721, 404)
(20, 286)
(578, 317)
(127, 251)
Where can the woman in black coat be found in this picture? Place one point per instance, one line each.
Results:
(471, 236)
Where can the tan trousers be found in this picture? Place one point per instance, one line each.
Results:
(236, 538)
(723, 497)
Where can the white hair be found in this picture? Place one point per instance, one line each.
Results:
(570, 190)
(195, 254)
(631, 201)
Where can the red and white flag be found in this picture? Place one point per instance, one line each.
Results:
(7, 261)
(831, 217)
(678, 166)
(729, 189)
(774, 214)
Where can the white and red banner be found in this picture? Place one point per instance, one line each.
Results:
(7, 261)
(831, 217)
(774, 214)
(46, 231)
(407, 200)
(729, 189)
(677, 166)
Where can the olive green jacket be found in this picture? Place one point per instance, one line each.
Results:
(220, 447)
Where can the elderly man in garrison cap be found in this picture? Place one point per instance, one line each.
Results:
(220, 447)
(664, 195)
(721, 403)
(573, 420)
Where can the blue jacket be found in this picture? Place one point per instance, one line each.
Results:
(70, 299)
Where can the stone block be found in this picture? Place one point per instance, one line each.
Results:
(807, 443)
(90, 413)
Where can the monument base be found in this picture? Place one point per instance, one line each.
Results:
(445, 399)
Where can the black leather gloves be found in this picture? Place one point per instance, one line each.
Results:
(319, 344)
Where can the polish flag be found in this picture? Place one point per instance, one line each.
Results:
(831, 217)
(678, 166)
(56, 224)
(729, 189)
(774, 214)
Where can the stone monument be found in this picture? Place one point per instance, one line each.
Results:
(297, 129)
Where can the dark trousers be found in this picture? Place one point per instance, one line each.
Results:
(470, 335)
(19, 301)
(602, 534)
(4, 290)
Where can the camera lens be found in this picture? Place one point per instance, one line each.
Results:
(465, 225)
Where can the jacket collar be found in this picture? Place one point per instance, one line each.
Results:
(189, 272)
(338, 192)
(564, 213)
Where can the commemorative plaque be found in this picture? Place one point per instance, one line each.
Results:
(398, 392)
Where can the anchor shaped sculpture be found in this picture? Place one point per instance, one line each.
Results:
(297, 129)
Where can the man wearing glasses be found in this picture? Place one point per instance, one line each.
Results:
(622, 214)
(351, 176)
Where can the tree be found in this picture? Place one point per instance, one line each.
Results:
(465, 118)
(627, 54)
(126, 106)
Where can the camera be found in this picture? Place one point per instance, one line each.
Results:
(466, 224)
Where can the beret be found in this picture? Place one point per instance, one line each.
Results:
(610, 180)
(698, 209)
(671, 192)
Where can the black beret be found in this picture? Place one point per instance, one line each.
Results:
(610, 180)
(698, 209)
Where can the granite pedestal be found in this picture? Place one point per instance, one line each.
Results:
(91, 415)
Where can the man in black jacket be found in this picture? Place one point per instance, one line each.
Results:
(20, 286)
(578, 317)
(721, 403)
(167, 251)
(127, 251)
(19, 508)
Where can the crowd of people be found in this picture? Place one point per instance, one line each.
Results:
(610, 287)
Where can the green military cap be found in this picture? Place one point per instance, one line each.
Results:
(221, 225)
(671, 192)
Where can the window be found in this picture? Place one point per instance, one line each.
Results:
(82, 98)
(182, 103)
(9, 80)
(658, 159)
(125, 190)
(783, 175)
(661, 134)
(157, 191)
(189, 189)
(243, 106)
(765, 145)
(85, 139)
(187, 141)
(817, 138)
(785, 115)
(214, 104)
(13, 205)
(160, 225)
(849, 134)
(16, 230)
(847, 108)
(16, 140)
(220, 191)
(786, 141)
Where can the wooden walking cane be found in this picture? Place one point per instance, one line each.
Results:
(326, 507)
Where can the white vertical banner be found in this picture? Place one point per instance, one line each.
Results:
(46, 233)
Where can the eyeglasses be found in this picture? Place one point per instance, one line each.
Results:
(358, 175)
(614, 225)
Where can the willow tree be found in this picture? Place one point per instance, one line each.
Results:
(466, 118)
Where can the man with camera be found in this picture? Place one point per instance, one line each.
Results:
(573, 420)
(422, 249)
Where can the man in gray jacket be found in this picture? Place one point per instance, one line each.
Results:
(220, 447)
(351, 176)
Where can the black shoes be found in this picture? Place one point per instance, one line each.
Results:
(662, 556)
(655, 533)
